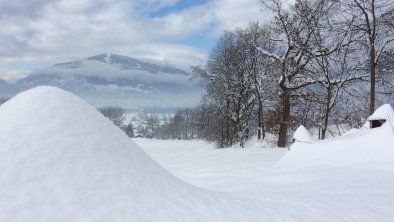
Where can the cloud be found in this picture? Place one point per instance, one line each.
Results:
(14, 75)
(52, 31)
(232, 14)
(21, 8)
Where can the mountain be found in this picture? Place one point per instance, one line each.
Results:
(131, 63)
(7, 89)
(117, 80)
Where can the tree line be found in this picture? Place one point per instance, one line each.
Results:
(316, 63)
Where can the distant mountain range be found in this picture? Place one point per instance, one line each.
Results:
(115, 79)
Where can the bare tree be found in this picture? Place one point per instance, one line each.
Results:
(333, 69)
(227, 83)
(260, 70)
(374, 24)
(293, 32)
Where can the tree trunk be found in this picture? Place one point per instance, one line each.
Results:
(284, 123)
(326, 114)
(227, 119)
(373, 78)
(324, 130)
(260, 125)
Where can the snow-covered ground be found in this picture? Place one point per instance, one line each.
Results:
(201, 164)
(61, 160)
(361, 192)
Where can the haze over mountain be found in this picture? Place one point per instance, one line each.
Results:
(115, 79)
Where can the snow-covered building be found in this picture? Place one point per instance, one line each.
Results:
(382, 115)
(302, 135)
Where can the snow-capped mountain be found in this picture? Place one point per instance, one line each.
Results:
(131, 63)
(118, 80)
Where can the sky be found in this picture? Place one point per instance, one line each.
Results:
(38, 33)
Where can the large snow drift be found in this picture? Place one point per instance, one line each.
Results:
(359, 147)
(61, 160)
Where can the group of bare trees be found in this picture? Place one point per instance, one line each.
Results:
(315, 63)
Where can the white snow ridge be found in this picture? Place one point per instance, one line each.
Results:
(61, 160)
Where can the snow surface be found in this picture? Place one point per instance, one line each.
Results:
(61, 160)
(201, 164)
(358, 193)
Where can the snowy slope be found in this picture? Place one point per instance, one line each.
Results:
(61, 160)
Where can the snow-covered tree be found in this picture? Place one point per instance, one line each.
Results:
(229, 85)
(293, 32)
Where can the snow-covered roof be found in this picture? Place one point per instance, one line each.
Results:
(383, 113)
(302, 135)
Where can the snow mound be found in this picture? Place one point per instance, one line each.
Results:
(61, 160)
(361, 147)
(302, 135)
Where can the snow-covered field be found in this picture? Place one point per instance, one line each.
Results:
(361, 192)
(201, 164)
(61, 160)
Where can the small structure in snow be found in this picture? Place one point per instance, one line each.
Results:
(302, 135)
(375, 123)
(380, 116)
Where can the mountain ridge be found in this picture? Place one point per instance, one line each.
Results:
(105, 78)
(126, 62)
